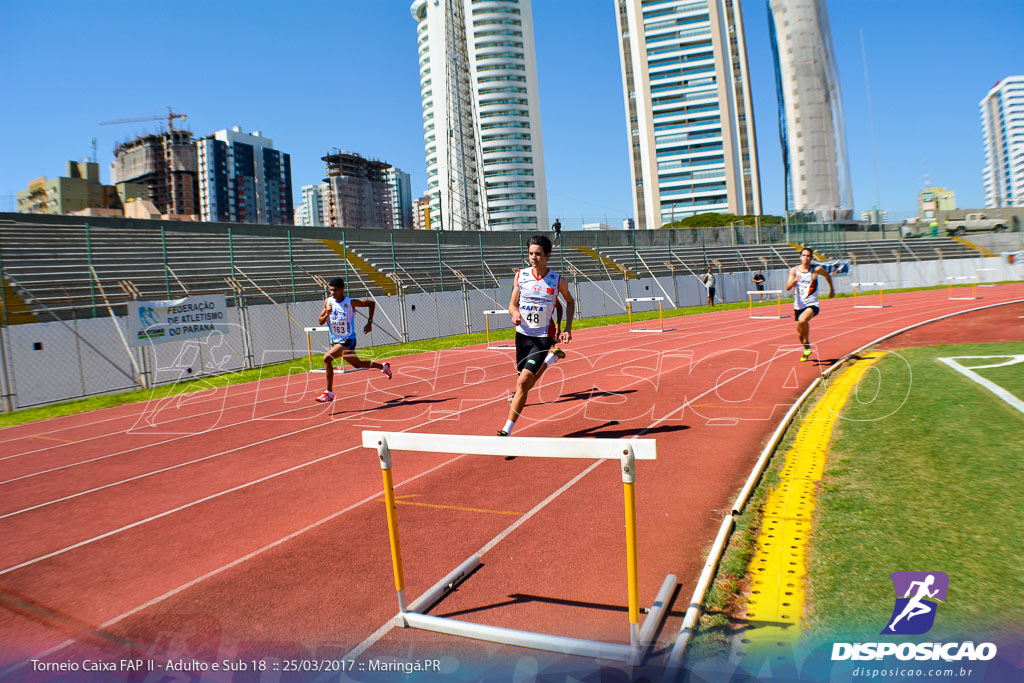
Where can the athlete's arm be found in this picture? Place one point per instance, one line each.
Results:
(366, 303)
(570, 310)
(325, 312)
(558, 315)
(513, 304)
(792, 278)
(828, 279)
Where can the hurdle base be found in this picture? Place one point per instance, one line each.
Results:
(509, 636)
(871, 306)
(765, 317)
(963, 298)
(644, 329)
(415, 617)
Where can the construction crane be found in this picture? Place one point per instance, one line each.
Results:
(171, 115)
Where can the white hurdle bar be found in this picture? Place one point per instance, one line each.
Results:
(981, 278)
(487, 326)
(413, 615)
(974, 287)
(629, 312)
(858, 285)
(309, 348)
(750, 302)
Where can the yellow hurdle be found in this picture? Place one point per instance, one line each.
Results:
(974, 287)
(750, 303)
(881, 290)
(414, 615)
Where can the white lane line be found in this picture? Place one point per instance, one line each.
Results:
(389, 624)
(445, 416)
(969, 373)
(392, 387)
(127, 527)
(715, 387)
(234, 563)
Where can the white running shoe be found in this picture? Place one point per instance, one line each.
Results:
(387, 368)
(325, 397)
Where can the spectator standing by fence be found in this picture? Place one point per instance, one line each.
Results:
(709, 283)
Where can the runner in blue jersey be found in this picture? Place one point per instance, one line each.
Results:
(340, 314)
(534, 297)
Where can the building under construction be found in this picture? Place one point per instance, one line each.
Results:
(360, 194)
(165, 162)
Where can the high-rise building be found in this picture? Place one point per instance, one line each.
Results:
(401, 198)
(243, 179)
(1002, 124)
(811, 122)
(359, 192)
(315, 202)
(688, 107)
(478, 80)
(166, 163)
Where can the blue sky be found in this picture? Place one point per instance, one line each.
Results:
(319, 75)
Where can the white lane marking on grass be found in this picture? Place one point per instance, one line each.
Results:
(969, 373)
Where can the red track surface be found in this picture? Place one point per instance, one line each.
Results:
(247, 521)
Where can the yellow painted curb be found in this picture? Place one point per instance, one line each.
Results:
(777, 594)
(976, 247)
(592, 253)
(379, 278)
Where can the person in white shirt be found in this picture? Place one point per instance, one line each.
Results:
(709, 283)
(340, 311)
(534, 299)
(805, 298)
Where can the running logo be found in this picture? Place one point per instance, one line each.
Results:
(918, 595)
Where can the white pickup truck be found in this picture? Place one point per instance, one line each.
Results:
(975, 222)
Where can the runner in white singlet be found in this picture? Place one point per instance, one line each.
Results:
(339, 312)
(534, 298)
(805, 297)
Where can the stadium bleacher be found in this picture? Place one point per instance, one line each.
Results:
(47, 265)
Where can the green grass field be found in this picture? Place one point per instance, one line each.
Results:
(924, 473)
(932, 484)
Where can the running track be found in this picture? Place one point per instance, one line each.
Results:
(248, 521)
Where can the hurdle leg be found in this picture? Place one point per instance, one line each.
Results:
(629, 314)
(629, 501)
(661, 320)
(778, 300)
(309, 349)
(487, 326)
(384, 453)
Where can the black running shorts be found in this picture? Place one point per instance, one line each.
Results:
(531, 351)
(798, 311)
